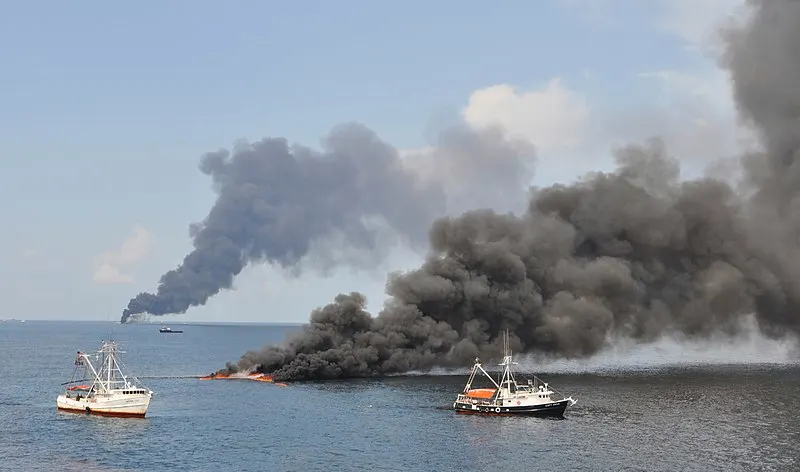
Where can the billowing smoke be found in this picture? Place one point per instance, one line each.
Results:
(634, 253)
(277, 203)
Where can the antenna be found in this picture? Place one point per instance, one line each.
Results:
(111, 328)
(506, 343)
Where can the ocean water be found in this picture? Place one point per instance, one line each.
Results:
(669, 418)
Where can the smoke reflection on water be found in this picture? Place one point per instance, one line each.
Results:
(748, 347)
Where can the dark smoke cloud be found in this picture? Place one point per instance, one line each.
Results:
(765, 68)
(277, 203)
(636, 252)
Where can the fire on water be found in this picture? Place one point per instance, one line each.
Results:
(257, 377)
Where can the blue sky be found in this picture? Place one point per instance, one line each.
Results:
(106, 108)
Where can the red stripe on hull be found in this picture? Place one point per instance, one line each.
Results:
(103, 413)
(487, 413)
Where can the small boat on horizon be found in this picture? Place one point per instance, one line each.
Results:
(169, 330)
(508, 398)
(110, 393)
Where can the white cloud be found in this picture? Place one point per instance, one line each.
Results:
(106, 273)
(553, 118)
(109, 265)
(29, 253)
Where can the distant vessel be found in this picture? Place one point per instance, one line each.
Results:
(169, 330)
(509, 398)
(110, 393)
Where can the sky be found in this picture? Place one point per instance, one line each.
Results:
(106, 109)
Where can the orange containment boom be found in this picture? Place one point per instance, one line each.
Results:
(481, 392)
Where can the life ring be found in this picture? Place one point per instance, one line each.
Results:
(88, 410)
(497, 410)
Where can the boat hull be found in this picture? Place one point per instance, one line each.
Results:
(122, 407)
(552, 409)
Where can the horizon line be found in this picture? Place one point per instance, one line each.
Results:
(157, 322)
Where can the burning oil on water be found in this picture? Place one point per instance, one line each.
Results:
(258, 377)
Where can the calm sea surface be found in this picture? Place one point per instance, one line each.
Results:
(725, 418)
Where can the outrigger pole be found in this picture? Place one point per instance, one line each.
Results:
(472, 375)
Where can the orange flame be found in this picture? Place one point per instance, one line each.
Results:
(257, 377)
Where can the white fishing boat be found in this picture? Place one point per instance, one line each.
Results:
(104, 388)
(509, 398)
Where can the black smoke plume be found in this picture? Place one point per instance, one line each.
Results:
(636, 252)
(275, 202)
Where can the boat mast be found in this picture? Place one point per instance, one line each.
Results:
(110, 348)
(508, 377)
(108, 374)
